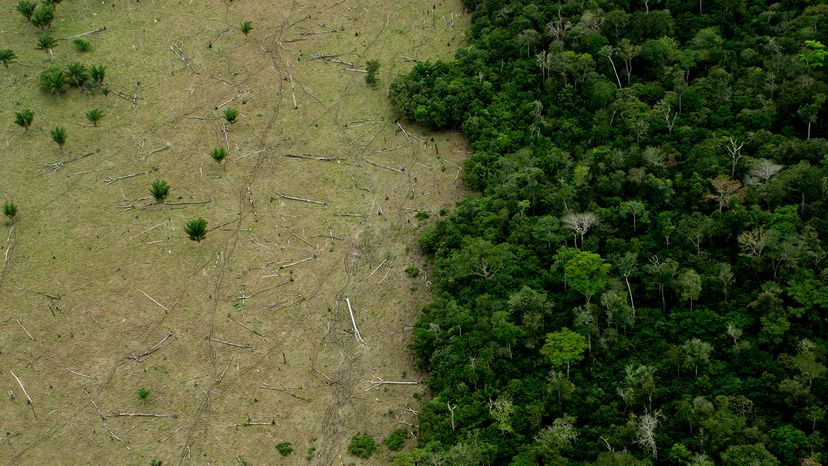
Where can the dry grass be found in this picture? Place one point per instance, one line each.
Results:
(90, 287)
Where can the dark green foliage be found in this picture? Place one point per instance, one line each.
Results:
(43, 16)
(10, 210)
(53, 80)
(58, 136)
(246, 27)
(422, 215)
(218, 154)
(159, 190)
(77, 74)
(97, 73)
(395, 440)
(24, 118)
(7, 56)
(53, 3)
(643, 269)
(372, 67)
(231, 114)
(284, 448)
(196, 229)
(155, 462)
(46, 42)
(82, 44)
(143, 394)
(94, 116)
(412, 271)
(362, 446)
(26, 8)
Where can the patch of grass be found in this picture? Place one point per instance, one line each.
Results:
(284, 448)
(82, 44)
(412, 272)
(362, 446)
(423, 215)
(395, 440)
(309, 454)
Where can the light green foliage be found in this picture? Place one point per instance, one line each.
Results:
(748, 455)
(82, 44)
(697, 352)
(563, 348)
(690, 286)
(814, 54)
(587, 273)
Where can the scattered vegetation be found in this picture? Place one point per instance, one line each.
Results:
(231, 114)
(58, 136)
(395, 440)
(362, 446)
(94, 116)
(284, 448)
(372, 67)
(82, 44)
(7, 56)
(53, 80)
(159, 189)
(246, 27)
(24, 118)
(196, 229)
(10, 210)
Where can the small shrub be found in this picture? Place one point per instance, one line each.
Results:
(24, 118)
(77, 74)
(26, 8)
(218, 154)
(395, 440)
(412, 272)
(59, 136)
(94, 116)
(7, 56)
(159, 190)
(143, 394)
(246, 27)
(82, 44)
(43, 16)
(53, 80)
(46, 42)
(362, 446)
(422, 215)
(155, 462)
(10, 210)
(284, 448)
(196, 229)
(310, 453)
(231, 114)
(372, 66)
(97, 73)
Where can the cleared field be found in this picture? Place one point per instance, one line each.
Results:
(244, 340)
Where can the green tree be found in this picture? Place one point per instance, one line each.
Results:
(26, 8)
(362, 446)
(58, 136)
(696, 352)
(196, 229)
(94, 116)
(7, 56)
(24, 118)
(748, 455)
(690, 286)
(563, 348)
(587, 273)
(789, 444)
(143, 394)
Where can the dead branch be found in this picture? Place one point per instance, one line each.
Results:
(55, 166)
(153, 299)
(330, 382)
(170, 435)
(378, 267)
(89, 33)
(248, 328)
(24, 329)
(408, 135)
(177, 49)
(131, 175)
(95, 377)
(151, 350)
(147, 231)
(112, 434)
(377, 382)
(311, 157)
(40, 293)
(353, 321)
(398, 170)
(301, 199)
(251, 424)
(230, 343)
(264, 385)
(348, 214)
(293, 90)
(160, 149)
(291, 264)
(28, 398)
(132, 98)
(124, 414)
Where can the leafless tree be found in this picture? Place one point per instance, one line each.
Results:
(580, 223)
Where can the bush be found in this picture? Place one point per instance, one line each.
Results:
(7, 56)
(196, 229)
(284, 448)
(53, 80)
(159, 190)
(362, 446)
(395, 441)
(372, 66)
(26, 8)
(76, 74)
(46, 42)
(231, 114)
(82, 44)
(422, 215)
(246, 27)
(412, 272)
(59, 136)
(24, 118)
(98, 73)
(10, 210)
(43, 16)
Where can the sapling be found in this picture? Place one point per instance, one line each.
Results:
(98, 73)
(94, 116)
(7, 56)
(196, 229)
(26, 8)
(159, 190)
(143, 394)
(53, 80)
(59, 136)
(24, 118)
(43, 16)
(246, 27)
(46, 42)
(10, 210)
(372, 66)
(231, 114)
(218, 154)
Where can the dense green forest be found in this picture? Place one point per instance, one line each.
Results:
(642, 276)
